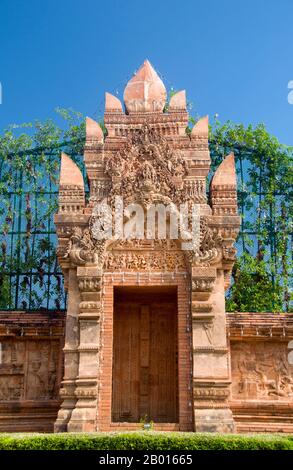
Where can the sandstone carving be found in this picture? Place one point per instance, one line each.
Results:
(253, 374)
(29, 370)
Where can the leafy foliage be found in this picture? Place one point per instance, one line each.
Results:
(261, 276)
(147, 440)
(29, 172)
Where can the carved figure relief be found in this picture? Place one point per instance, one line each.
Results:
(260, 370)
(146, 261)
(148, 165)
(12, 370)
(40, 382)
(83, 248)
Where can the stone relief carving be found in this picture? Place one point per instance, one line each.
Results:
(40, 382)
(83, 248)
(147, 165)
(146, 255)
(37, 373)
(203, 285)
(229, 253)
(99, 190)
(195, 191)
(146, 170)
(142, 261)
(11, 387)
(260, 370)
(210, 247)
(12, 371)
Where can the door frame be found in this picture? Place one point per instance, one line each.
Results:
(184, 341)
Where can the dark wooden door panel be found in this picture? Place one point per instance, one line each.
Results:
(163, 370)
(145, 360)
(126, 363)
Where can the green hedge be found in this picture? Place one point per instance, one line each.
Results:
(144, 441)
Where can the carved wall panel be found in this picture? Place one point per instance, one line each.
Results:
(261, 371)
(29, 370)
(262, 378)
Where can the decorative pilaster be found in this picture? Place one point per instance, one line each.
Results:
(68, 385)
(83, 418)
(211, 375)
(210, 277)
(71, 206)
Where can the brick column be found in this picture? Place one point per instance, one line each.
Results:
(84, 416)
(211, 365)
(70, 355)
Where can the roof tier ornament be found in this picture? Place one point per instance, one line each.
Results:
(145, 92)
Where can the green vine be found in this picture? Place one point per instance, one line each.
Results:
(30, 277)
(261, 276)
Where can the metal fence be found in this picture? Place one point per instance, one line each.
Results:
(30, 277)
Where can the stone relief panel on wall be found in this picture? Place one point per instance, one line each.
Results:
(260, 370)
(154, 261)
(12, 370)
(29, 370)
(145, 255)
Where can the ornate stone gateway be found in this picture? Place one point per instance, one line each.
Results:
(146, 262)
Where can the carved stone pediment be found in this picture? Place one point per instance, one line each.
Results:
(85, 247)
(146, 165)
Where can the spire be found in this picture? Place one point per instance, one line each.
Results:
(70, 174)
(201, 128)
(225, 174)
(112, 104)
(93, 130)
(178, 101)
(145, 92)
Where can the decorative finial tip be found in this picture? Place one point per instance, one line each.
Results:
(145, 92)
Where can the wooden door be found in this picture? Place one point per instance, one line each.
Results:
(126, 362)
(145, 358)
(163, 363)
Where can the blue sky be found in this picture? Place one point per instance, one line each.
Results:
(234, 58)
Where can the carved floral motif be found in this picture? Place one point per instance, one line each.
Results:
(146, 261)
(210, 247)
(203, 285)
